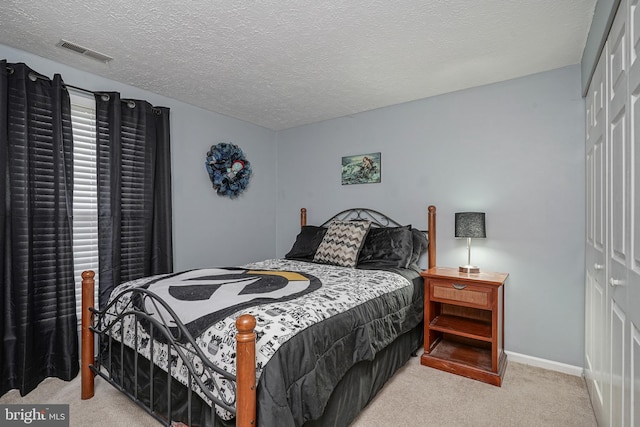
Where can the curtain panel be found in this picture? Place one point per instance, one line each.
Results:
(134, 191)
(38, 322)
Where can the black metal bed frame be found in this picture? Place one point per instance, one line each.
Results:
(377, 219)
(169, 332)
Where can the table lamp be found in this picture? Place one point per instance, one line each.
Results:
(470, 225)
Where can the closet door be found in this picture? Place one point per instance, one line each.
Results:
(619, 227)
(633, 212)
(613, 375)
(595, 287)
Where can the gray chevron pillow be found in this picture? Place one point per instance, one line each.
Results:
(342, 242)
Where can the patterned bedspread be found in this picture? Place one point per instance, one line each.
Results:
(292, 297)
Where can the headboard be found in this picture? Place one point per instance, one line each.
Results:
(379, 219)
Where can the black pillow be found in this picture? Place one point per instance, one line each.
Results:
(387, 247)
(306, 243)
(420, 244)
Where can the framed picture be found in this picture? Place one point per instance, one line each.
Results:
(362, 169)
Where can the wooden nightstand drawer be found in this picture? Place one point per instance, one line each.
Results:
(472, 296)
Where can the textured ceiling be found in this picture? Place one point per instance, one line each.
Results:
(285, 63)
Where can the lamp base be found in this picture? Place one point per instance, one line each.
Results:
(469, 269)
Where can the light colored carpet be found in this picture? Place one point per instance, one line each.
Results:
(529, 397)
(415, 396)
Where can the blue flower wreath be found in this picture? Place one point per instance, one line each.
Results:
(228, 169)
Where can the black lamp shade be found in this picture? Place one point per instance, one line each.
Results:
(470, 224)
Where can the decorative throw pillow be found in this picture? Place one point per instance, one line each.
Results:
(387, 247)
(307, 243)
(342, 242)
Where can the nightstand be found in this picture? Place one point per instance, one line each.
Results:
(464, 323)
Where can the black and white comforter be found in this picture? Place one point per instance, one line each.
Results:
(313, 326)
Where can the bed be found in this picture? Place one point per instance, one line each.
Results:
(304, 340)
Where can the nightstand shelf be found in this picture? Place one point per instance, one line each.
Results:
(464, 323)
(469, 328)
(472, 356)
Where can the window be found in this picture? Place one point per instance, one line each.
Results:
(85, 192)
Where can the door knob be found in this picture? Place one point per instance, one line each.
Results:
(597, 266)
(616, 282)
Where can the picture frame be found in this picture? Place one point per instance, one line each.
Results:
(362, 169)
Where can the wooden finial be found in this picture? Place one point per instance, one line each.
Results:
(245, 324)
(432, 236)
(245, 371)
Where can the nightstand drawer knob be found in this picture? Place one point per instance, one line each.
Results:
(459, 287)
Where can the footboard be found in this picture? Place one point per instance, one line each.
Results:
(170, 334)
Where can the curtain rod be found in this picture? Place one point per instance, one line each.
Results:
(33, 76)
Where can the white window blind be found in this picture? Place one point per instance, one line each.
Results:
(85, 192)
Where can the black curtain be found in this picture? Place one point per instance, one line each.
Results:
(37, 303)
(134, 191)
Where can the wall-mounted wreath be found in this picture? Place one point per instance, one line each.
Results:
(228, 169)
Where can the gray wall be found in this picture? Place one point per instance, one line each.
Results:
(514, 150)
(208, 229)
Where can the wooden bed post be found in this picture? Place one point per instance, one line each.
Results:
(432, 236)
(88, 285)
(246, 371)
(303, 217)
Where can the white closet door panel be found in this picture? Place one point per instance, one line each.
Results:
(632, 153)
(617, 110)
(590, 197)
(617, 66)
(617, 342)
(596, 207)
(630, 277)
(633, 210)
(589, 330)
(596, 145)
(596, 173)
(600, 201)
(634, 413)
(618, 147)
(620, 118)
(597, 372)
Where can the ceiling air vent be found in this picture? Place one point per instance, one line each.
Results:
(84, 51)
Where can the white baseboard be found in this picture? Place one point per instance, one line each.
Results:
(545, 364)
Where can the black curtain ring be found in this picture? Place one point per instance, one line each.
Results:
(105, 97)
(131, 104)
(32, 76)
(10, 70)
